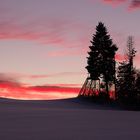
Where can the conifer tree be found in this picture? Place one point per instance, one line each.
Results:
(137, 88)
(101, 60)
(126, 73)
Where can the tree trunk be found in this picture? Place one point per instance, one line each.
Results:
(107, 90)
(99, 90)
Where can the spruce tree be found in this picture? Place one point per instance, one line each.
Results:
(101, 60)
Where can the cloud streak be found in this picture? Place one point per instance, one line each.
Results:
(114, 2)
(17, 76)
(11, 88)
(53, 31)
(18, 91)
(133, 4)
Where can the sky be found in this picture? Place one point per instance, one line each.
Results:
(44, 43)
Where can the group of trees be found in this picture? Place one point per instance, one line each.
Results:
(128, 77)
(124, 80)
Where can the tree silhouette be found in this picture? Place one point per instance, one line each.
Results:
(137, 88)
(108, 50)
(101, 59)
(126, 74)
(123, 83)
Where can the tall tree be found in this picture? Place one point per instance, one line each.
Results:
(126, 73)
(101, 60)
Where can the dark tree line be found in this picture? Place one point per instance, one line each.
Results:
(124, 80)
(128, 84)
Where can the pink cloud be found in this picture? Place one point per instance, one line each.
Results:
(65, 74)
(67, 52)
(30, 79)
(51, 89)
(17, 76)
(114, 2)
(65, 85)
(11, 88)
(18, 91)
(122, 57)
(135, 4)
(119, 57)
(53, 31)
(137, 60)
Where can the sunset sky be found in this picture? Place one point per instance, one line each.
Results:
(44, 43)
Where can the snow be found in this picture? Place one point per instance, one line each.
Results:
(66, 120)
